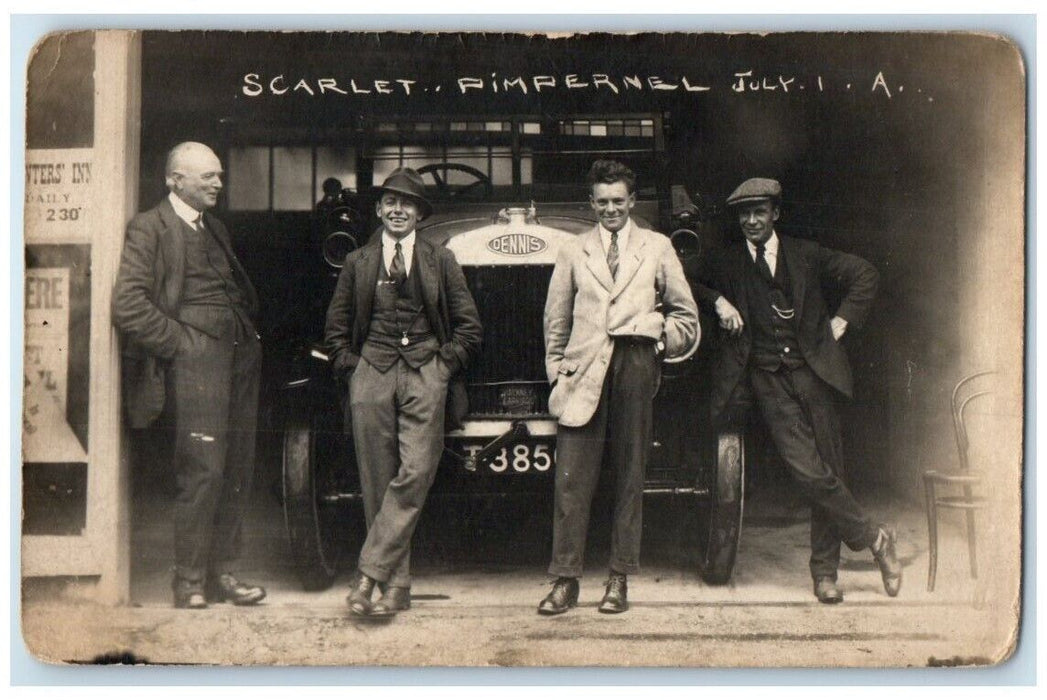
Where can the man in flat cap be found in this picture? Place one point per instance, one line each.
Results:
(187, 312)
(618, 303)
(401, 324)
(781, 349)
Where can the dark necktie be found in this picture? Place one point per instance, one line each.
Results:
(198, 222)
(398, 271)
(612, 255)
(761, 264)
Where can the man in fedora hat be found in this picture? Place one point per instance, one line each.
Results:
(781, 349)
(400, 326)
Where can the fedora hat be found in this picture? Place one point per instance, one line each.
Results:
(408, 182)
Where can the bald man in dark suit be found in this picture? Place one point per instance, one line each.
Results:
(187, 313)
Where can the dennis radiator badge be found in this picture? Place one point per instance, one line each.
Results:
(516, 244)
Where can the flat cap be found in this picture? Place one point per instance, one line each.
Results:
(755, 188)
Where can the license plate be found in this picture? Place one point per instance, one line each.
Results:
(518, 458)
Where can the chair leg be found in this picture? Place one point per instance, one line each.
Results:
(932, 533)
(972, 549)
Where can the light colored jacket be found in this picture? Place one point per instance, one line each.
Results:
(586, 308)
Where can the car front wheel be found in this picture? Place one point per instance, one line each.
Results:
(720, 518)
(318, 524)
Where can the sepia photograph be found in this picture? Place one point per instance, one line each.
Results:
(504, 349)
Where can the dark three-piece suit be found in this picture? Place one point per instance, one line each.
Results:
(398, 345)
(187, 312)
(792, 368)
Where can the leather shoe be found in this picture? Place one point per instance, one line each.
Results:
(227, 588)
(561, 598)
(393, 600)
(825, 591)
(616, 597)
(188, 594)
(887, 559)
(359, 598)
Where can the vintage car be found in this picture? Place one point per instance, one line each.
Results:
(508, 442)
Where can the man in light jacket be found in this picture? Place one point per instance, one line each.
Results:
(618, 303)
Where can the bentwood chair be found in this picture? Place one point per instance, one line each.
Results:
(957, 489)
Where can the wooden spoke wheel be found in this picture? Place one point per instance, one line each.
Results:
(476, 187)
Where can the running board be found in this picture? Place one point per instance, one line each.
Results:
(336, 498)
(676, 491)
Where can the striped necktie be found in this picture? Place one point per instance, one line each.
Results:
(612, 255)
(398, 270)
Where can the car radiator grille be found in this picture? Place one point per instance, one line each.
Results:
(508, 379)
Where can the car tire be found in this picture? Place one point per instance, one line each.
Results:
(720, 521)
(311, 528)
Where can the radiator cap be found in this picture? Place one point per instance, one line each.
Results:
(516, 237)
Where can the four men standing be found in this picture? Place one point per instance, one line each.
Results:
(402, 325)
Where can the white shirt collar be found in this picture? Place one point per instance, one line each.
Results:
(185, 212)
(389, 249)
(623, 236)
(770, 247)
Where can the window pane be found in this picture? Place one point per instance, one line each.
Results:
(501, 166)
(526, 165)
(292, 179)
(472, 156)
(502, 171)
(417, 156)
(386, 160)
(335, 162)
(248, 179)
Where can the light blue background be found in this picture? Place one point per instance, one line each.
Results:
(27, 29)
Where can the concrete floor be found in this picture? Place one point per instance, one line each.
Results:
(771, 564)
(476, 588)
